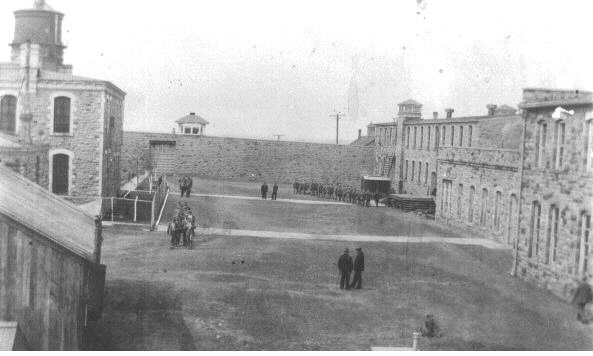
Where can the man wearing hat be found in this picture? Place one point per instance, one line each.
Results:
(345, 267)
(358, 268)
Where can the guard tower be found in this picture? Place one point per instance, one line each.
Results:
(40, 25)
(409, 109)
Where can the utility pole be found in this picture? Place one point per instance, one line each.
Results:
(278, 136)
(337, 116)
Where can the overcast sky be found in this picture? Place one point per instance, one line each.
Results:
(259, 68)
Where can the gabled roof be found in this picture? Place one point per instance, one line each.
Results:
(192, 119)
(410, 102)
(47, 214)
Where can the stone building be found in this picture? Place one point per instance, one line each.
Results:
(555, 240)
(51, 279)
(79, 119)
(469, 164)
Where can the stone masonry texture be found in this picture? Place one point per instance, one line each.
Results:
(253, 160)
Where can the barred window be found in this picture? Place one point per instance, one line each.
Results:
(62, 114)
(552, 235)
(535, 229)
(469, 136)
(470, 205)
(583, 246)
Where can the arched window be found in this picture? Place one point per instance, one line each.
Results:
(484, 207)
(62, 114)
(583, 245)
(536, 210)
(559, 136)
(8, 114)
(60, 168)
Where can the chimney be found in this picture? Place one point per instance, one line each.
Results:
(435, 115)
(449, 113)
(491, 109)
(359, 133)
(192, 114)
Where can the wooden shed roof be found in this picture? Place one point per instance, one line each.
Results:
(47, 214)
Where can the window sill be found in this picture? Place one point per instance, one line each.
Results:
(62, 134)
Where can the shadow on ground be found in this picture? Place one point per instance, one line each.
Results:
(140, 315)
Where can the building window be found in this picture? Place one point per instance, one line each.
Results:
(588, 161)
(436, 138)
(552, 235)
(540, 144)
(460, 136)
(413, 170)
(559, 133)
(497, 200)
(446, 201)
(8, 114)
(426, 174)
(408, 137)
(419, 172)
(484, 207)
(195, 130)
(62, 114)
(470, 204)
(452, 135)
(459, 200)
(421, 137)
(511, 217)
(428, 139)
(406, 171)
(415, 137)
(444, 135)
(583, 246)
(469, 136)
(395, 136)
(535, 228)
(187, 130)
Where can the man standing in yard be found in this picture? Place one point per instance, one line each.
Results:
(264, 191)
(582, 296)
(345, 267)
(358, 268)
(275, 191)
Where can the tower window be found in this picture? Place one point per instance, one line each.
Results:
(8, 114)
(62, 114)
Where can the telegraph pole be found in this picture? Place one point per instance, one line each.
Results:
(337, 116)
(278, 136)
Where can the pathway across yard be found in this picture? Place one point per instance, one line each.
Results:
(354, 238)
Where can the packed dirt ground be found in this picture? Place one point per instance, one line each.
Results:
(246, 293)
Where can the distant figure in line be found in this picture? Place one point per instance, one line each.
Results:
(358, 268)
(264, 191)
(345, 266)
(275, 191)
(377, 197)
(581, 298)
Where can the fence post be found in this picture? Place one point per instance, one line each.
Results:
(152, 221)
(111, 209)
(135, 208)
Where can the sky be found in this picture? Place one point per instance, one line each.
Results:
(259, 68)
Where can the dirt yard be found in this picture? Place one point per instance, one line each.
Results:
(239, 293)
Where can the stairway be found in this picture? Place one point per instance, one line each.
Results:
(386, 168)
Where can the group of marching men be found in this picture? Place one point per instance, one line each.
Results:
(183, 226)
(337, 192)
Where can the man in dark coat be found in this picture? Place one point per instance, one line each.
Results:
(582, 296)
(358, 268)
(264, 191)
(275, 191)
(345, 267)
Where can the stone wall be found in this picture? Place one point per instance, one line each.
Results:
(496, 171)
(30, 161)
(569, 188)
(249, 159)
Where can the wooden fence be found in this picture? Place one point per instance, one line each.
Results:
(138, 206)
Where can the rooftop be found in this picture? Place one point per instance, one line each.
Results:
(47, 214)
(410, 102)
(192, 118)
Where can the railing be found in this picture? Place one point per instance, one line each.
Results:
(138, 206)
